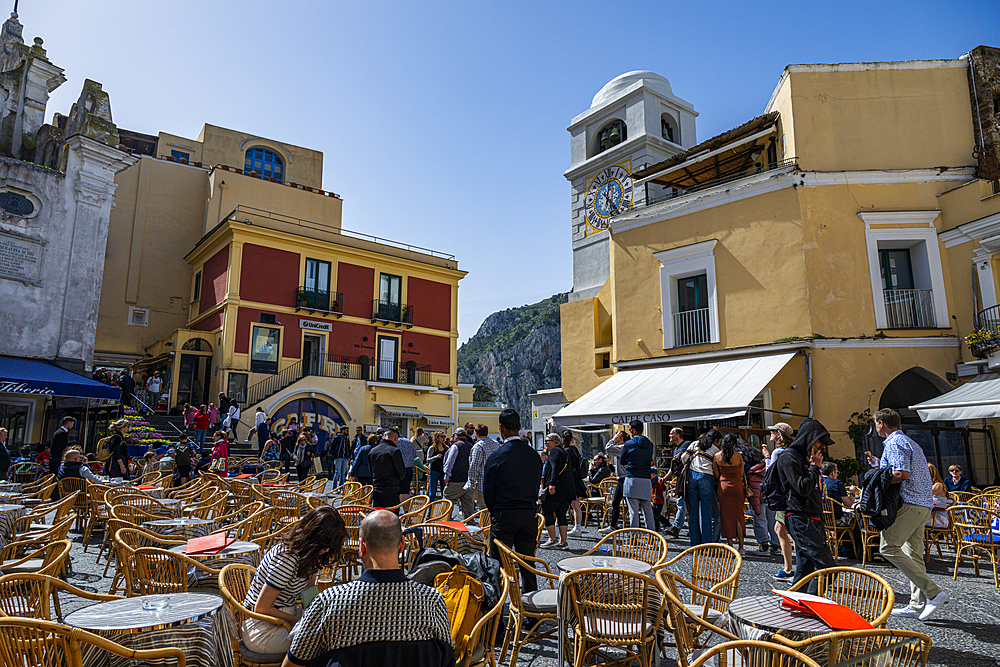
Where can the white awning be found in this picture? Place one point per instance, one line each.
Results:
(978, 398)
(692, 392)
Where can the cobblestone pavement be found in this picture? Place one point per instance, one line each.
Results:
(966, 631)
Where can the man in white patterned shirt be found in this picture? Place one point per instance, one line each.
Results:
(485, 445)
(381, 618)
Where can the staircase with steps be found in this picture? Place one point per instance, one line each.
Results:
(171, 428)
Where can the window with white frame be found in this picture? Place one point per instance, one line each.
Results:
(904, 265)
(688, 297)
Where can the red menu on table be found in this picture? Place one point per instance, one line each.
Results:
(147, 487)
(243, 477)
(835, 615)
(210, 544)
(457, 525)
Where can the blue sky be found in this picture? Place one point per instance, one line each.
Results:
(443, 124)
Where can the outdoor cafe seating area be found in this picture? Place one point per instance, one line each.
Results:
(180, 561)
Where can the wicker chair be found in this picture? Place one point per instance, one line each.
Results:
(527, 610)
(607, 489)
(686, 622)
(636, 543)
(868, 594)
(234, 584)
(612, 610)
(29, 641)
(132, 515)
(594, 502)
(141, 501)
(69, 485)
(30, 595)
(439, 510)
(484, 521)
(715, 578)
(455, 539)
(162, 571)
(350, 559)
(97, 517)
(36, 539)
(347, 489)
(887, 647)
(870, 538)
(50, 559)
(746, 653)
(26, 473)
(974, 531)
(256, 525)
(483, 637)
(124, 542)
(288, 505)
(935, 536)
(835, 533)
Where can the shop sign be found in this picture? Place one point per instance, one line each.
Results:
(439, 421)
(313, 325)
(652, 418)
(10, 387)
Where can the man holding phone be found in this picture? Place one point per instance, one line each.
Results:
(799, 475)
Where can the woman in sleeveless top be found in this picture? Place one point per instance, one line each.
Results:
(728, 465)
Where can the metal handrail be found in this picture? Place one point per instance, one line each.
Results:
(319, 300)
(988, 318)
(692, 327)
(272, 384)
(387, 311)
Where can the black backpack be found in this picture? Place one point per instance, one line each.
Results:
(771, 490)
(182, 454)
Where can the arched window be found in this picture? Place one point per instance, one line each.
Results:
(668, 129)
(264, 163)
(613, 134)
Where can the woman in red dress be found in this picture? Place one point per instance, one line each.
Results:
(728, 466)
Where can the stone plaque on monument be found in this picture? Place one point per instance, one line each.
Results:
(20, 259)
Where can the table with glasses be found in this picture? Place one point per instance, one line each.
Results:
(183, 528)
(9, 514)
(176, 504)
(567, 565)
(759, 617)
(246, 553)
(10, 487)
(200, 625)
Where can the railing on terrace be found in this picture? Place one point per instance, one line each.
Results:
(909, 308)
(272, 384)
(673, 194)
(988, 318)
(487, 404)
(692, 327)
(315, 300)
(255, 216)
(388, 311)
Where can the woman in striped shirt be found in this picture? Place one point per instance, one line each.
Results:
(314, 542)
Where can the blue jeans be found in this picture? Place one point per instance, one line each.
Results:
(437, 485)
(681, 513)
(339, 472)
(199, 437)
(701, 494)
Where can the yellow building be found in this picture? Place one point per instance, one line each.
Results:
(229, 272)
(817, 260)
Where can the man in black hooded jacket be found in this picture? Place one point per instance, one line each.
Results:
(800, 477)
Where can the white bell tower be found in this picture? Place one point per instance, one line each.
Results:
(635, 120)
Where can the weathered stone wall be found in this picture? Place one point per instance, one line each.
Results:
(984, 92)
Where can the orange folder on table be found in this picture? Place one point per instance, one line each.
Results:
(837, 616)
(210, 544)
(457, 525)
(243, 477)
(146, 487)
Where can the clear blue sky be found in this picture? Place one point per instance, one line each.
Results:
(443, 124)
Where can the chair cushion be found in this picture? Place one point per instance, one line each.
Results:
(983, 539)
(541, 601)
(697, 609)
(477, 654)
(260, 658)
(603, 627)
(28, 566)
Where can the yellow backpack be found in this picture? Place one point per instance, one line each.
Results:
(104, 449)
(463, 594)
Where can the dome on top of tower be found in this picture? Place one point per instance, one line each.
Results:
(614, 87)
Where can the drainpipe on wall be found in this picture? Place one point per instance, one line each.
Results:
(809, 380)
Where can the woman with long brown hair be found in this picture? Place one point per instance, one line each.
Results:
(118, 462)
(435, 462)
(315, 541)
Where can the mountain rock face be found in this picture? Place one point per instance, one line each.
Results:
(515, 353)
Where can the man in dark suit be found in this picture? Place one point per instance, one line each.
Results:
(127, 386)
(511, 480)
(59, 441)
(386, 464)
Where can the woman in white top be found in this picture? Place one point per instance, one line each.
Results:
(701, 486)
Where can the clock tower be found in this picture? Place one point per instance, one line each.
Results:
(634, 120)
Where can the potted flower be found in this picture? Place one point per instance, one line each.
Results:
(365, 368)
(982, 342)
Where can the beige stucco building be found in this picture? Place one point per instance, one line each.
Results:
(846, 228)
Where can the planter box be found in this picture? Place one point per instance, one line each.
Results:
(993, 359)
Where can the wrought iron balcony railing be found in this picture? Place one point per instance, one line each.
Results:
(322, 301)
(692, 327)
(909, 308)
(394, 313)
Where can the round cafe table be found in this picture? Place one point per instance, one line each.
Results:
(9, 514)
(759, 617)
(246, 553)
(10, 487)
(580, 562)
(198, 624)
(186, 528)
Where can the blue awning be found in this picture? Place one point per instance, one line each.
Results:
(39, 378)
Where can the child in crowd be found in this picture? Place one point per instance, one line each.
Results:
(44, 457)
(149, 462)
(659, 491)
(25, 456)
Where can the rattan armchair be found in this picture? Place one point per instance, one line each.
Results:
(868, 594)
(29, 641)
(439, 510)
(79, 485)
(715, 577)
(26, 473)
(350, 559)
(35, 539)
(636, 543)
(50, 559)
(686, 622)
(747, 653)
(607, 487)
(436, 534)
(163, 571)
(60, 509)
(976, 539)
(614, 608)
(835, 533)
(881, 646)
(483, 637)
(97, 517)
(33, 595)
(484, 521)
(527, 610)
(347, 489)
(234, 584)
(125, 539)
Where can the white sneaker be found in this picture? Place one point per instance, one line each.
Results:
(576, 532)
(906, 612)
(605, 531)
(548, 544)
(931, 606)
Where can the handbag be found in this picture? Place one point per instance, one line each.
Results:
(747, 491)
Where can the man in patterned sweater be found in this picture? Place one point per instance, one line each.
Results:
(381, 618)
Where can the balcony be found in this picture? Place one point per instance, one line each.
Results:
(909, 308)
(392, 313)
(692, 327)
(319, 301)
(989, 318)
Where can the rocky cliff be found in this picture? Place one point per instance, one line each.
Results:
(515, 353)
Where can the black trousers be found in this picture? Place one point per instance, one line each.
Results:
(812, 551)
(616, 502)
(385, 497)
(554, 510)
(518, 529)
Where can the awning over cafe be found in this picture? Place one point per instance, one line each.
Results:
(400, 411)
(690, 392)
(978, 398)
(40, 378)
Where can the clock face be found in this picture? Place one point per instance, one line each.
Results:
(608, 194)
